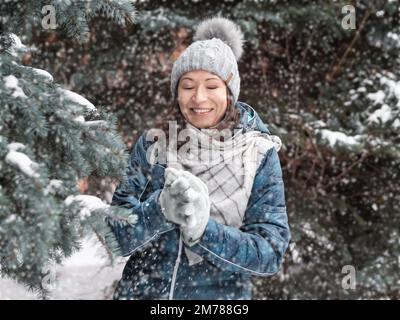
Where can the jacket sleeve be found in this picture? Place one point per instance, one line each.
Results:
(150, 222)
(258, 247)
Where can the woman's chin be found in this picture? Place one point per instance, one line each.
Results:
(201, 123)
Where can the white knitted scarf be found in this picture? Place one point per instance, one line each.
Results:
(227, 168)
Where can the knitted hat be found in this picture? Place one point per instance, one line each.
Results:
(217, 46)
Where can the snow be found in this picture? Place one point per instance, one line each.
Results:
(361, 89)
(87, 203)
(11, 218)
(74, 97)
(96, 123)
(393, 88)
(368, 82)
(296, 257)
(318, 124)
(80, 119)
(11, 82)
(53, 186)
(387, 98)
(91, 254)
(383, 97)
(383, 114)
(337, 137)
(17, 41)
(17, 46)
(377, 97)
(15, 146)
(395, 37)
(86, 275)
(22, 161)
(320, 238)
(43, 73)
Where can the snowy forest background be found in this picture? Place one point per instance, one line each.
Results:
(331, 93)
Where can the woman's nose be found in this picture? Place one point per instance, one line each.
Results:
(200, 95)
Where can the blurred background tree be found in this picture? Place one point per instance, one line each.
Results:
(331, 93)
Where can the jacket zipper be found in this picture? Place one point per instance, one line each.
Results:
(178, 260)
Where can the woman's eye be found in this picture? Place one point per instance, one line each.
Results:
(187, 88)
(212, 88)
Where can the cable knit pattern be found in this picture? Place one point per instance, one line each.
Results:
(212, 55)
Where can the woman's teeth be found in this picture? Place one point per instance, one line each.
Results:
(201, 111)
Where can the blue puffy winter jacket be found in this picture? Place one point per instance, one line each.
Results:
(159, 269)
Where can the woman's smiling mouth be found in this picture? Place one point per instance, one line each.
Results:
(201, 111)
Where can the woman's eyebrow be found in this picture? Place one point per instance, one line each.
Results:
(187, 78)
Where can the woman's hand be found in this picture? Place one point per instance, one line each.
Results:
(175, 198)
(185, 201)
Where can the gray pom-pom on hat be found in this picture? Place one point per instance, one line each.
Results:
(223, 29)
(218, 45)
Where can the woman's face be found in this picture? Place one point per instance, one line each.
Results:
(202, 98)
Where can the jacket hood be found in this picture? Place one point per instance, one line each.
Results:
(250, 120)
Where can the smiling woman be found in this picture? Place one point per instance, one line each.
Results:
(202, 98)
(205, 225)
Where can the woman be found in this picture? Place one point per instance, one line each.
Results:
(213, 214)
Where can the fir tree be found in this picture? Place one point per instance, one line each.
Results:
(50, 138)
